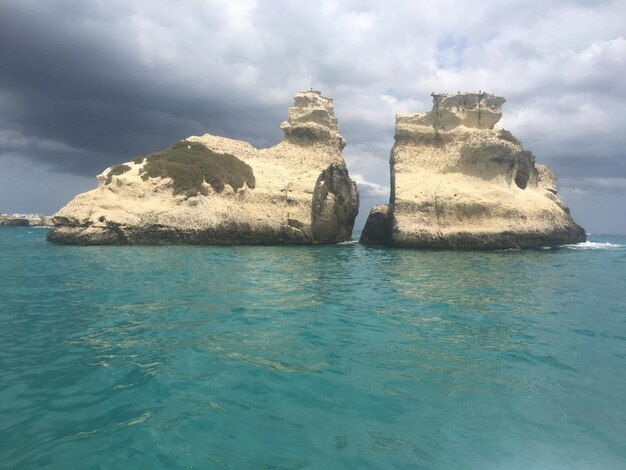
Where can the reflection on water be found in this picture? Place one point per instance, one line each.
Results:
(323, 357)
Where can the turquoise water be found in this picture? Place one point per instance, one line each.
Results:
(311, 357)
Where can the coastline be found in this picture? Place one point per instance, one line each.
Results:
(26, 220)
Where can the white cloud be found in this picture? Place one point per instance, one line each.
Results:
(368, 189)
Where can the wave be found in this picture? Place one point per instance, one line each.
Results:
(595, 246)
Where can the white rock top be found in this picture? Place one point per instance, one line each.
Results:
(312, 119)
(472, 110)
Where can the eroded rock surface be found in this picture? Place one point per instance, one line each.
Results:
(214, 190)
(457, 181)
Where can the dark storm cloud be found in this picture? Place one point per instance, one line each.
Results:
(73, 86)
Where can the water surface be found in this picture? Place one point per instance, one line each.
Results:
(311, 357)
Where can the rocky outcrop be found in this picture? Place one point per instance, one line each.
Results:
(457, 181)
(213, 190)
(25, 220)
(377, 230)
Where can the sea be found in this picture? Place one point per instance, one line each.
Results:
(322, 357)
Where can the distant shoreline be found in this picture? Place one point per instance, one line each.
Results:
(25, 220)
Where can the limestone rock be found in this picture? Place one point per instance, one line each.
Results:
(457, 181)
(335, 204)
(213, 190)
(311, 120)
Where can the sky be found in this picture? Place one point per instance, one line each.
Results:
(86, 84)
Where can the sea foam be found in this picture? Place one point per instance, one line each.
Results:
(595, 246)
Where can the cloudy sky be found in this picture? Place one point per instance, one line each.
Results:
(85, 84)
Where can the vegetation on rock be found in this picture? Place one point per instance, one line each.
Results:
(190, 164)
(115, 171)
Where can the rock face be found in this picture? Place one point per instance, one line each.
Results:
(459, 182)
(377, 230)
(214, 190)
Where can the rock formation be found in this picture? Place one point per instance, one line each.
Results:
(214, 190)
(459, 182)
